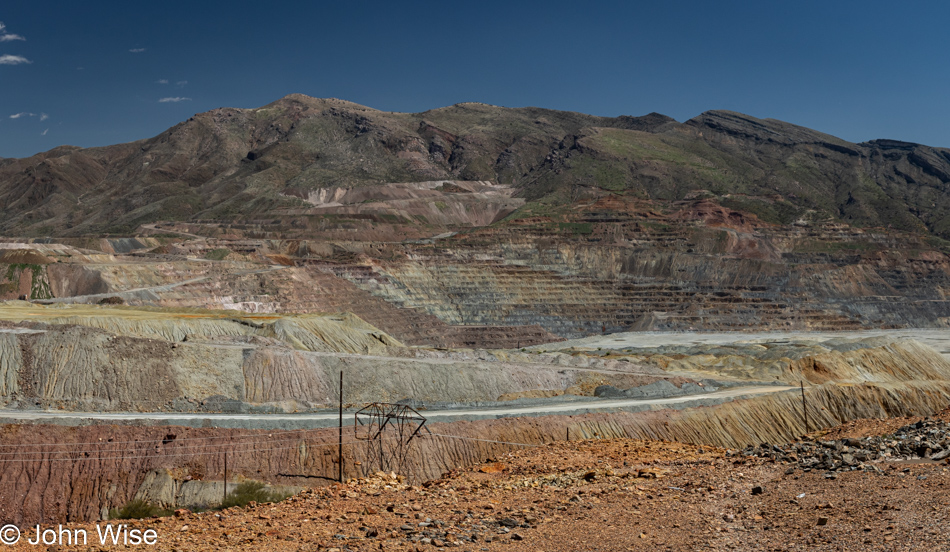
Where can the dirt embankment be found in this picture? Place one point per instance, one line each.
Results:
(85, 358)
(287, 365)
(23, 274)
(605, 494)
(56, 473)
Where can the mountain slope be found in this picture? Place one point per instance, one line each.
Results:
(262, 164)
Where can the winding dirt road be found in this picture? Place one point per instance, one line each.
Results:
(330, 419)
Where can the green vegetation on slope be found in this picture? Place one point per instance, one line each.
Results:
(256, 164)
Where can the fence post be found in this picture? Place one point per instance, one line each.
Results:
(225, 497)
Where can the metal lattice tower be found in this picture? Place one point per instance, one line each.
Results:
(388, 430)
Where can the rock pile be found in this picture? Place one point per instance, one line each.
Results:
(475, 528)
(926, 439)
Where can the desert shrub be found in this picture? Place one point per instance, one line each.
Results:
(252, 491)
(577, 228)
(217, 254)
(138, 509)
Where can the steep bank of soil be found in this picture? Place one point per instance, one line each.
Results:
(56, 473)
(108, 358)
(592, 495)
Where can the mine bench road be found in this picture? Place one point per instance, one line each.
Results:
(330, 419)
(938, 338)
(154, 289)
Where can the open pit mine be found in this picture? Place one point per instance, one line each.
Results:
(507, 281)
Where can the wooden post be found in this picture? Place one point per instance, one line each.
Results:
(225, 497)
(340, 444)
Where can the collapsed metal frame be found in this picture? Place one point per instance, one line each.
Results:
(389, 431)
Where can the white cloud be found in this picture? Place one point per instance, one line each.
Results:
(137, 50)
(7, 37)
(175, 99)
(161, 81)
(7, 59)
(181, 84)
(22, 114)
(43, 116)
(44, 132)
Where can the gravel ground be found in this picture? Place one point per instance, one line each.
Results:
(609, 495)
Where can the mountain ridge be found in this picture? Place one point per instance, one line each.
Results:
(249, 164)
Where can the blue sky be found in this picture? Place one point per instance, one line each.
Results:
(95, 73)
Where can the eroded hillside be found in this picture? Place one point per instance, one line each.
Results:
(278, 164)
(622, 494)
(599, 266)
(89, 469)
